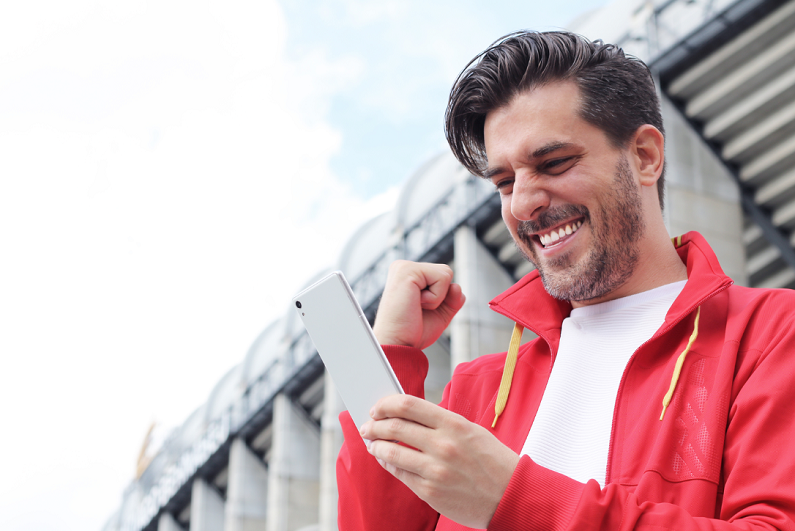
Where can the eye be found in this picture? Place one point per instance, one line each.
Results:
(558, 166)
(504, 186)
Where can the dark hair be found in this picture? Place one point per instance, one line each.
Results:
(618, 94)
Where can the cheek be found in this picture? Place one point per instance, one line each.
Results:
(507, 216)
(512, 224)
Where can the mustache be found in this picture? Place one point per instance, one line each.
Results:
(548, 219)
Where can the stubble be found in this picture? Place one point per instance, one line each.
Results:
(614, 253)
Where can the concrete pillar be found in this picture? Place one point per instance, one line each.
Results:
(477, 330)
(330, 444)
(247, 492)
(439, 371)
(167, 522)
(293, 472)
(701, 195)
(206, 507)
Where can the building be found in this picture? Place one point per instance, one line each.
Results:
(259, 454)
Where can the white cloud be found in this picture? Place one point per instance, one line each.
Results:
(165, 189)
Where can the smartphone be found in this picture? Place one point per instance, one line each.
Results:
(346, 344)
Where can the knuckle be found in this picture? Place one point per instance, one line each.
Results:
(395, 425)
(428, 490)
(447, 449)
(441, 474)
(395, 471)
(394, 270)
(399, 265)
(405, 403)
(393, 453)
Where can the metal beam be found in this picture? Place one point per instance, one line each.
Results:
(761, 216)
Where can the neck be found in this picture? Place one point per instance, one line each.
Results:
(658, 264)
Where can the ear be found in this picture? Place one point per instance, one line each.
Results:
(647, 151)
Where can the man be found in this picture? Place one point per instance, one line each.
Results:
(657, 395)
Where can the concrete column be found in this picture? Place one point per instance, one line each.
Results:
(247, 492)
(439, 371)
(330, 444)
(701, 195)
(293, 472)
(206, 507)
(477, 330)
(167, 522)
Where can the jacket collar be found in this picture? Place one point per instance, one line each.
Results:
(528, 303)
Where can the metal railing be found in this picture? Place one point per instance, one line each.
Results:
(656, 27)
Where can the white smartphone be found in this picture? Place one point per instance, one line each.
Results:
(346, 344)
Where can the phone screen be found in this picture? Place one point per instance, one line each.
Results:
(346, 344)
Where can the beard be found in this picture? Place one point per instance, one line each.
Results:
(613, 255)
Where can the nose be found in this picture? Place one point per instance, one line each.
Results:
(528, 198)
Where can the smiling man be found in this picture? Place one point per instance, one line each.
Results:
(657, 394)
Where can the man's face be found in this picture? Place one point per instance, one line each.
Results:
(569, 197)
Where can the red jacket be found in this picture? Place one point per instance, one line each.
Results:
(723, 457)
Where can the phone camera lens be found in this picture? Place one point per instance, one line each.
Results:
(297, 304)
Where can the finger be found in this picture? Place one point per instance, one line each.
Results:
(398, 430)
(398, 460)
(399, 320)
(435, 282)
(453, 302)
(410, 479)
(410, 408)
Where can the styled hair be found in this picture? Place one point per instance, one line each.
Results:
(617, 91)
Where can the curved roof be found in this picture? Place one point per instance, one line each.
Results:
(269, 346)
(191, 430)
(427, 187)
(225, 392)
(421, 193)
(367, 244)
(293, 325)
(131, 502)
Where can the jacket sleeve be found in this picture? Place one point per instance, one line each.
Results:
(758, 466)
(370, 497)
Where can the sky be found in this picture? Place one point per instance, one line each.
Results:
(171, 173)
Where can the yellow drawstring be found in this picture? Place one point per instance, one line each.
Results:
(513, 351)
(678, 367)
(507, 372)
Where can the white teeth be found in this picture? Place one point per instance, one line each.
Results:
(554, 236)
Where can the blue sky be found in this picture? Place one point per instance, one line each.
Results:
(171, 173)
(397, 62)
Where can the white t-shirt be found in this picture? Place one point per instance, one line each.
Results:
(571, 432)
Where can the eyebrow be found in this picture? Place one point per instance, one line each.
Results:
(538, 153)
(491, 172)
(549, 148)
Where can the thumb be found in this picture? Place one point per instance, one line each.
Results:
(453, 302)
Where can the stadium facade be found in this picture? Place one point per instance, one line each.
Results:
(260, 453)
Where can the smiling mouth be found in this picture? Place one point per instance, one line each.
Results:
(561, 232)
